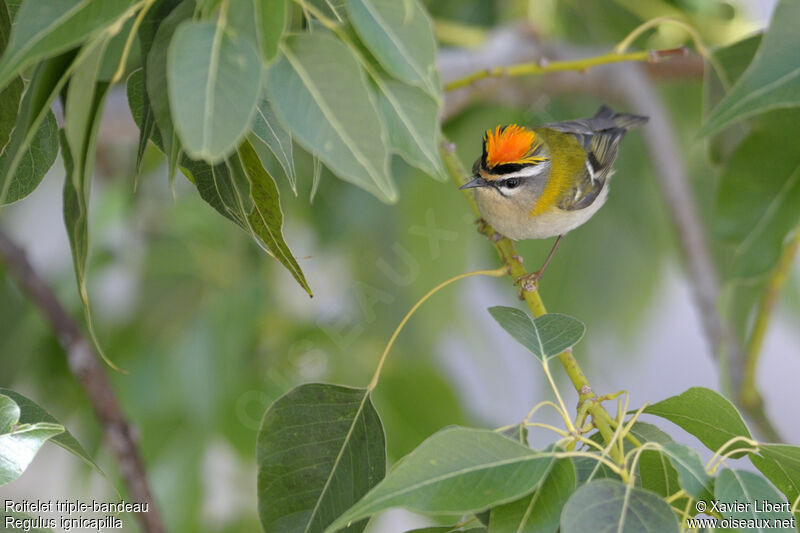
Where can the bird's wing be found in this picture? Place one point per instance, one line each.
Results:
(601, 148)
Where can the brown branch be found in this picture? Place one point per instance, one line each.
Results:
(90, 373)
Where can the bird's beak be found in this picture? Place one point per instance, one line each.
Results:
(477, 181)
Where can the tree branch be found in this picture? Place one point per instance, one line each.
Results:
(90, 374)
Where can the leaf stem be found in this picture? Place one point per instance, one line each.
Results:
(637, 32)
(146, 5)
(544, 67)
(497, 272)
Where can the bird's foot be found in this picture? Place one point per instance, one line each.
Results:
(528, 283)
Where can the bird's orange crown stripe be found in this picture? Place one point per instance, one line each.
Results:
(511, 144)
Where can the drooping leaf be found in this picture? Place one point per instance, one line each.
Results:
(780, 463)
(82, 111)
(156, 82)
(214, 183)
(268, 129)
(320, 448)
(400, 35)
(607, 505)
(31, 413)
(24, 159)
(239, 188)
(214, 82)
(457, 470)
(19, 442)
(411, 118)
(758, 197)
(705, 414)
(266, 218)
(545, 336)
(744, 487)
(541, 511)
(10, 95)
(44, 28)
(773, 78)
(318, 89)
(151, 21)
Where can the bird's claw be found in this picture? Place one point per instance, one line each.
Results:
(528, 283)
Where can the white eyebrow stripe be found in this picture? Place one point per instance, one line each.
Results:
(527, 172)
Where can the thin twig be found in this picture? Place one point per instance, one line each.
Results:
(91, 375)
(545, 67)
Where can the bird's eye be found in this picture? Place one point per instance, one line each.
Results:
(511, 183)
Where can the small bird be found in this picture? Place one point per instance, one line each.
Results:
(542, 182)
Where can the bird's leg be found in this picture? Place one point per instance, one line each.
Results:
(529, 282)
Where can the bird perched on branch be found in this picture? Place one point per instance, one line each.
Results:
(536, 183)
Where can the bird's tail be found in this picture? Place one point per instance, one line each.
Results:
(621, 120)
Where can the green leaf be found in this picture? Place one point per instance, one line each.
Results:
(758, 198)
(10, 95)
(272, 17)
(19, 442)
(318, 89)
(156, 80)
(541, 511)
(705, 414)
(780, 463)
(545, 336)
(31, 413)
(728, 63)
(214, 82)
(658, 475)
(262, 22)
(27, 151)
(320, 448)
(455, 471)
(739, 487)
(266, 218)
(44, 28)
(268, 129)
(607, 505)
(692, 474)
(35, 162)
(151, 21)
(82, 111)
(411, 118)
(773, 78)
(400, 35)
